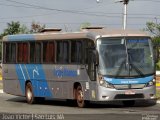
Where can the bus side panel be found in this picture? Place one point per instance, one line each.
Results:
(11, 84)
(57, 82)
(36, 74)
(61, 79)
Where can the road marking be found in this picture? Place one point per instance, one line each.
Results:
(1, 91)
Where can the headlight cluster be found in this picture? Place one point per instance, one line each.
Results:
(151, 83)
(104, 83)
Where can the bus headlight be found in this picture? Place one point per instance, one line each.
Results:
(105, 84)
(151, 83)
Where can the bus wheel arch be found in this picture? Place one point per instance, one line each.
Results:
(29, 92)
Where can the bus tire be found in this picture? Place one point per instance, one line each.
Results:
(80, 98)
(29, 93)
(129, 103)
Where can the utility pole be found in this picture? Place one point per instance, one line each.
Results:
(125, 2)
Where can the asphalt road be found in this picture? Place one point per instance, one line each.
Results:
(13, 107)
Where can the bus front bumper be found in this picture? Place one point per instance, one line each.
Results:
(107, 94)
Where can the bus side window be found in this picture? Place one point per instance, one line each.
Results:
(62, 52)
(45, 52)
(59, 51)
(32, 52)
(65, 52)
(38, 52)
(22, 52)
(10, 51)
(76, 52)
(48, 52)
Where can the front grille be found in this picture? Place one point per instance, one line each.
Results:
(122, 96)
(130, 86)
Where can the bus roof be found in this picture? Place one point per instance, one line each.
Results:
(92, 34)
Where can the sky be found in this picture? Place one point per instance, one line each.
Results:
(70, 14)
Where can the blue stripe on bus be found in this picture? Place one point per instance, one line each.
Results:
(34, 73)
(117, 81)
(21, 78)
(22, 37)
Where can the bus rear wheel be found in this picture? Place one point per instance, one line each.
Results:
(29, 93)
(80, 97)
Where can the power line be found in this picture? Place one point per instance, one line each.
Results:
(99, 14)
(131, 14)
(149, 0)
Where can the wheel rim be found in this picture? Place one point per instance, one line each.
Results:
(29, 94)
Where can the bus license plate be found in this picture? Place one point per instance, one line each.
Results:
(129, 92)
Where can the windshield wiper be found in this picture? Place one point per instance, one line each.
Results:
(137, 69)
(120, 68)
(134, 66)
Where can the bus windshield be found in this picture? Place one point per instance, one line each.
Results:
(125, 57)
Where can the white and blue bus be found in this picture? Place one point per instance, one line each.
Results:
(95, 64)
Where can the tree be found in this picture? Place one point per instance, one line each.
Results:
(85, 24)
(36, 27)
(153, 28)
(14, 28)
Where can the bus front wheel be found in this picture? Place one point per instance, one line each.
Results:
(80, 97)
(29, 93)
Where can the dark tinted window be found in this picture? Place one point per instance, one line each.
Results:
(76, 52)
(32, 52)
(22, 55)
(62, 51)
(35, 52)
(48, 52)
(66, 52)
(38, 53)
(10, 52)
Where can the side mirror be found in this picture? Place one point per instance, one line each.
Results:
(95, 57)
